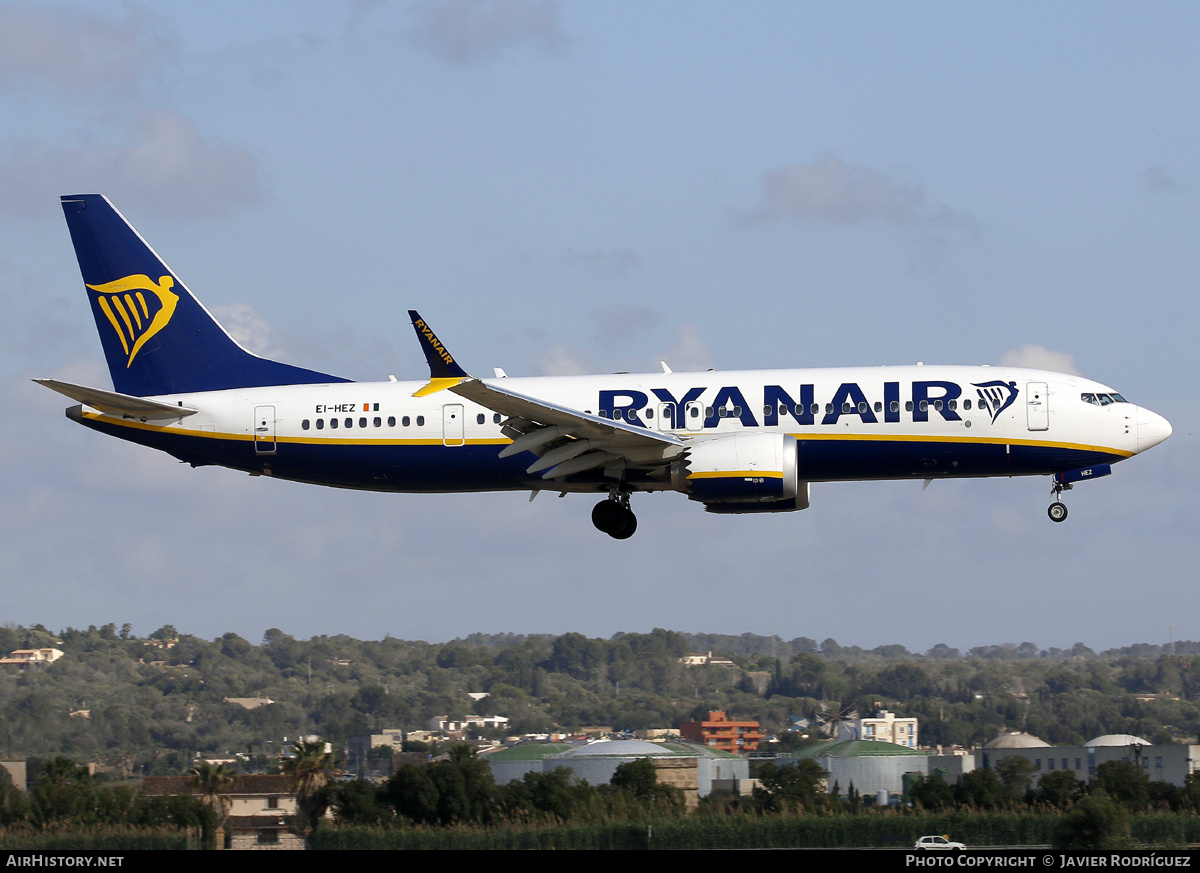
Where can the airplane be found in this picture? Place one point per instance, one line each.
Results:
(735, 442)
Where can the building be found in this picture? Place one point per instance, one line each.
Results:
(1170, 763)
(720, 732)
(31, 658)
(445, 724)
(871, 766)
(258, 812)
(691, 768)
(884, 728)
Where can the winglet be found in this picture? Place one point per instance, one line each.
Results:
(443, 371)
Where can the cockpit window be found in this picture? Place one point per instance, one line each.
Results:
(1105, 399)
(1119, 398)
(1102, 399)
(1089, 398)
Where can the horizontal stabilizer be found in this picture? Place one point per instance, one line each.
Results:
(113, 403)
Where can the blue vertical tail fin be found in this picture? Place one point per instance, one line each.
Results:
(158, 338)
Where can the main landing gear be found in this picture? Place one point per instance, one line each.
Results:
(614, 517)
(1058, 509)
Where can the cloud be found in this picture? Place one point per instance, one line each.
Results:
(561, 359)
(251, 331)
(76, 50)
(167, 167)
(831, 191)
(1159, 181)
(1037, 358)
(690, 353)
(468, 31)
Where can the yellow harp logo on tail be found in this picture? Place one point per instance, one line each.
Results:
(134, 317)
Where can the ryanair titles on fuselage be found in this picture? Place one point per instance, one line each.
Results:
(697, 407)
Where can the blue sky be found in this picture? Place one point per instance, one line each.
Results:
(569, 187)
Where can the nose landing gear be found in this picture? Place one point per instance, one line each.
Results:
(614, 517)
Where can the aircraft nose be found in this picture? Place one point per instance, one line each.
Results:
(1152, 429)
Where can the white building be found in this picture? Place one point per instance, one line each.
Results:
(883, 728)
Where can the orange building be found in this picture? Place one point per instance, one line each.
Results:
(718, 732)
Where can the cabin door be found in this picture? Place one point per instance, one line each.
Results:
(452, 425)
(264, 430)
(1037, 405)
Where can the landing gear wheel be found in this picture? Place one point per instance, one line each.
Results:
(614, 519)
(1057, 511)
(629, 525)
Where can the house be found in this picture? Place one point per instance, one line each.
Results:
(31, 658)
(258, 811)
(720, 732)
(883, 728)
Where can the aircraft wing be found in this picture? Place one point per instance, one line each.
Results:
(580, 424)
(112, 403)
(565, 440)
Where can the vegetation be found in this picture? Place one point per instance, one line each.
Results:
(117, 698)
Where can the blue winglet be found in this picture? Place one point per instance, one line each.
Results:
(441, 364)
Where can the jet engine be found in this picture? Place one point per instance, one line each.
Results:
(748, 472)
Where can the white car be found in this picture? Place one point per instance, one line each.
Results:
(936, 842)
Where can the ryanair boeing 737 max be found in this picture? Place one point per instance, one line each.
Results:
(748, 441)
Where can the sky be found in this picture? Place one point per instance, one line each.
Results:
(575, 187)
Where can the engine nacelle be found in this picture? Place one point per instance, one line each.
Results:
(748, 472)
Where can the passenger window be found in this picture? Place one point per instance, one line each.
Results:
(737, 410)
(304, 424)
(815, 408)
(496, 418)
(349, 422)
(908, 405)
(829, 409)
(862, 406)
(479, 419)
(708, 412)
(845, 407)
(420, 421)
(952, 404)
(894, 406)
(924, 405)
(695, 411)
(333, 423)
(937, 404)
(391, 421)
(649, 413)
(406, 421)
(362, 422)
(378, 421)
(967, 404)
(320, 424)
(878, 406)
(724, 413)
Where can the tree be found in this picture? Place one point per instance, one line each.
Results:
(1125, 783)
(1059, 788)
(786, 786)
(311, 768)
(1095, 822)
(932, 792)
(214, 782)
(1016, 773)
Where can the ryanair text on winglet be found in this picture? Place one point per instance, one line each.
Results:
(433, 341)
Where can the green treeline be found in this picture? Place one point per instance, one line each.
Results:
(455, 803)
(115, 698)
